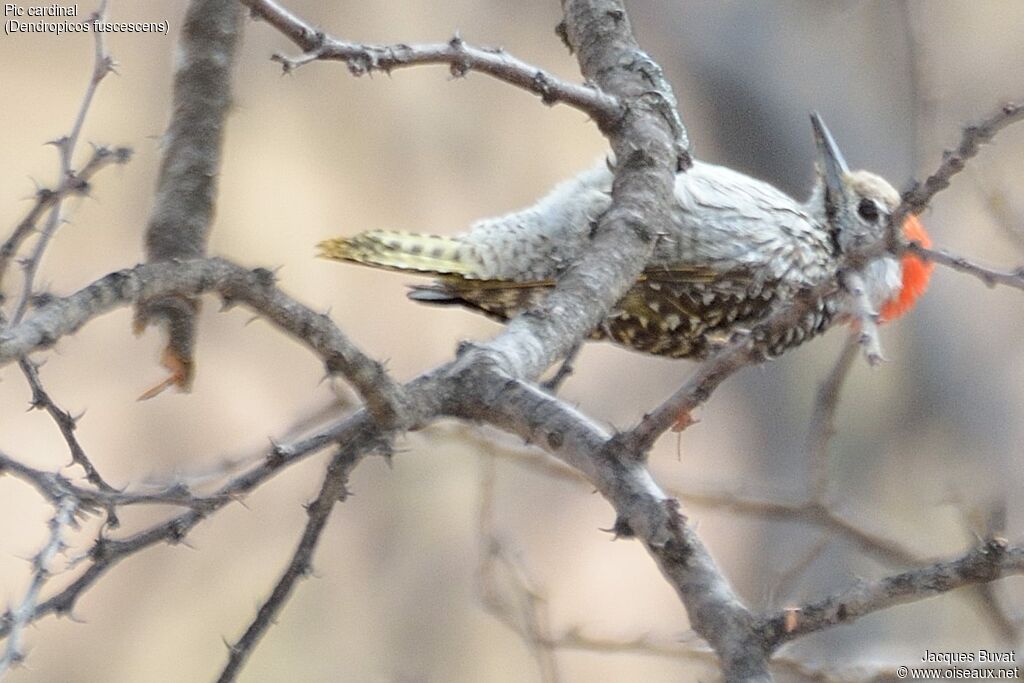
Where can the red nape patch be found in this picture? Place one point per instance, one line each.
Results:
(916, 273)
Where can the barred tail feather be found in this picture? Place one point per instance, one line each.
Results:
(455, 263)
(405, 251)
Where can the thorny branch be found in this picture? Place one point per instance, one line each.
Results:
(918, 197)
(103, 64)
(56, 487)
(356, 432)
(332, 491)
(255, 288)
(71, 182)
(460, 56)
(41, 400)
(992, 560)
(75, 183)
(15, 620)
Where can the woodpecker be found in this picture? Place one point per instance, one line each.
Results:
(736, 248)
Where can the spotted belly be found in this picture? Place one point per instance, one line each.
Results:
(659, 315)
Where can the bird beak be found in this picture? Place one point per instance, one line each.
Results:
(833, 165)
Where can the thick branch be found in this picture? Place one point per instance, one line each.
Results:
(187, 186)
(484, 382)
(648, 151)
(649, 148)
(643, 509)
(255, 288)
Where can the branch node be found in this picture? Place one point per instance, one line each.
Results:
(542, 85)
(279, 453)
(264, 277)
(621, 529)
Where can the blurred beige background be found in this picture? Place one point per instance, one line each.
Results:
(927, 443)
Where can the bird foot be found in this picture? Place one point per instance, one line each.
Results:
(865, 319)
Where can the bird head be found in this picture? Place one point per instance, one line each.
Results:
(857, 206)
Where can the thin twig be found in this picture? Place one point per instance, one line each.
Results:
(918, 197)
(992, 560)
(785, 580)
(52, 200)
(679, 649)
(991, 277)
(521, 606)
(42, 400)
(745, 350)
(357, 432)
(102, 65)
(55, 487)
(16, 620)
(300, 566)
(76, 183)
(460, 56)
(1004, 211)
(809, 512)
(749, 503)
(823, 419)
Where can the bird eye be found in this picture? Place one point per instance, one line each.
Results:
(868, 210)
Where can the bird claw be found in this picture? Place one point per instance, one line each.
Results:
(870, 341)
(865, 320)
